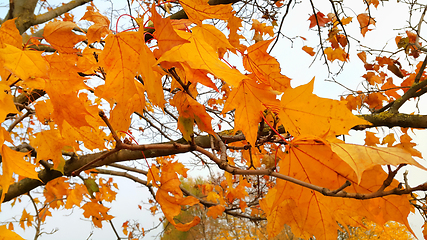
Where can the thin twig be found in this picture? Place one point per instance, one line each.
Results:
(105, 119)
(18, 120)
(280, 27)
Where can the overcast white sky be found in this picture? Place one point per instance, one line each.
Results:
(295, 64)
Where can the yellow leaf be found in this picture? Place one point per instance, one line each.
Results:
(337, 53)
(24, 64)
(308, 50)
(26, 218)
(49, 146)
(56, 32)
(170, 196)
(371, 139)
(151, 76)
(365, 20)
(100, 28)
(6, 234)
(10, 34)
(215, 211)
(212, 196)
(250, 100)
(6, 102)
(302, 112)
(120, 60)
(308, 212)
(13, 162)
(191, 111)
(97, 212)
(198, 54)
(360, 158)
(213, 37)
(346, 20)
(165, 34)
(199, 10)
(265, 67)
(406, 144)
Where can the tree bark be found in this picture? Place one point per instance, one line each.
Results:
(388, 119)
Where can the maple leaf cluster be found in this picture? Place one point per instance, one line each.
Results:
(313, 181)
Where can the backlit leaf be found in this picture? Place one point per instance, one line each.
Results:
(308, 212)
(365, 20)
(55, 32)
(250, 100)
(6, 234)
(13, 162)
(302, 112)
(360, 158)
(265, 67)
(321, 20)
(24, 64)
(215, 211)
(308, 50)
(9, 34)
(199, 10)
(6, 102)
(198, 54)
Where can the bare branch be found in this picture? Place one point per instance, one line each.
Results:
(59, 11)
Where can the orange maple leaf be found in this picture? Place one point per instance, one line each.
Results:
(265, 67)
(199, 10)
(360, 158)
(371, 139)
(365, 20)
(214, 37)
(152, 77)
(13, 162)
(9, 34)
(101, 27)
(337, 53)
(406, 144)
(56, 189)
(6, 101)
(26, 218)
(321, 20)
(215, 211)
(118, 59)
(234, 24)
(165, 33)
(390, 89)
(49, 144)
(372, 78)
(198, 54)
(375, 100)
(75, 196)
(8, 234)
(97, 212)
(308, 50)
(191, 111)
(311, 213)
(170, 196)
(346, 20)
(261, 29)
(250, 100)
(302, 112)
(56, 32)
(24, 64)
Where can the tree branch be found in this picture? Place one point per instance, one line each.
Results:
(409, 94)
(58, 11)
(327, 192)
(388, 119)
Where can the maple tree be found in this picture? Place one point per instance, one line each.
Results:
(74, 101)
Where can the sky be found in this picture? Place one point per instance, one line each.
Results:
(295, 64)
